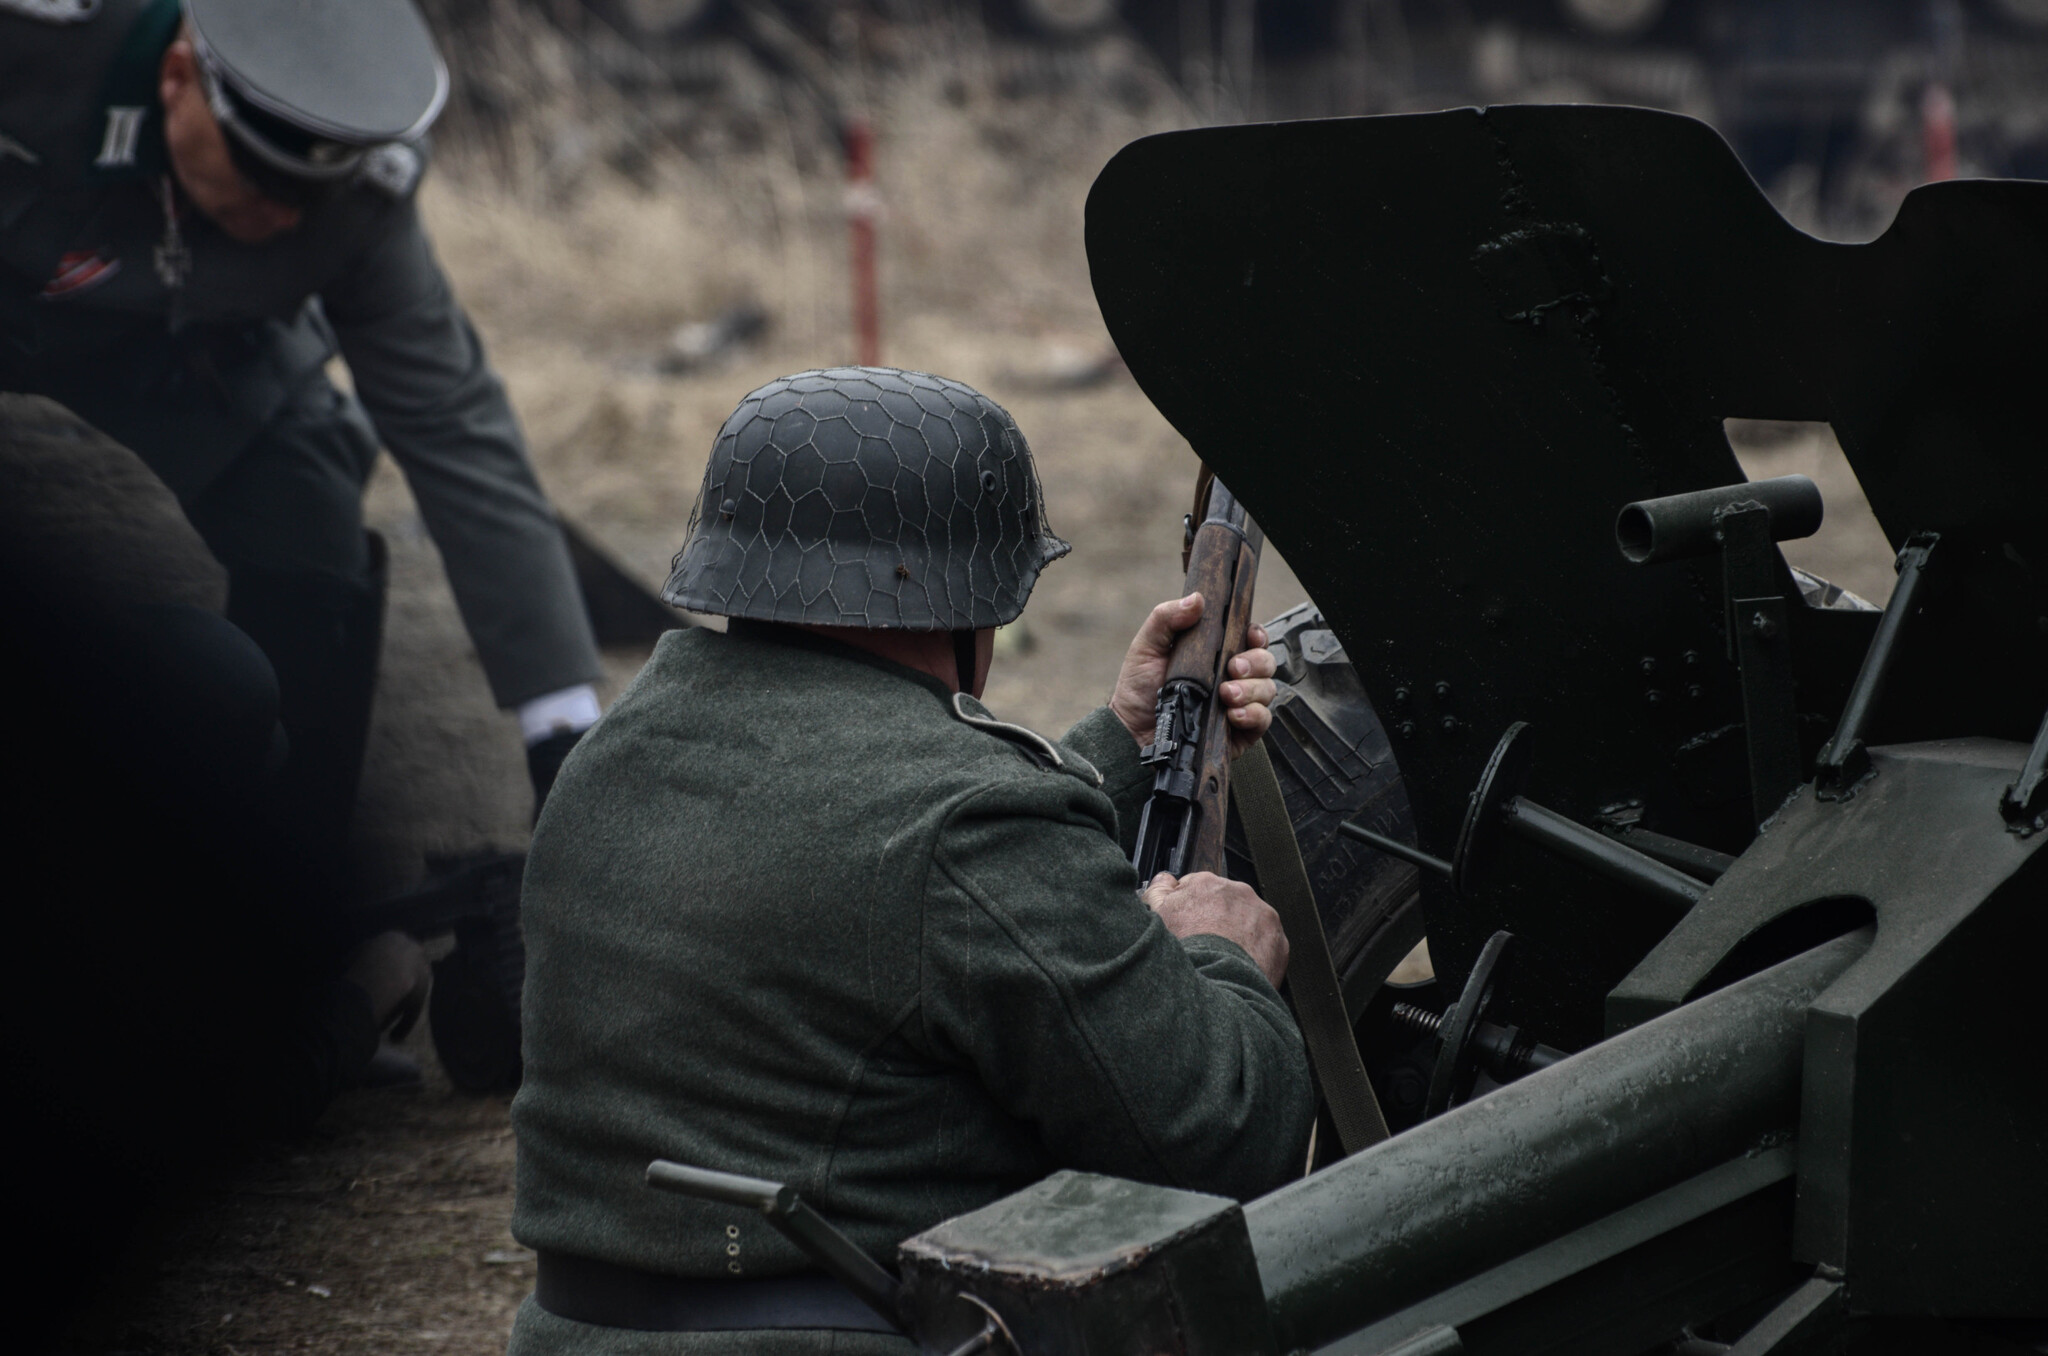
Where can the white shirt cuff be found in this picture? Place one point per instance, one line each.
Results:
(570, 711)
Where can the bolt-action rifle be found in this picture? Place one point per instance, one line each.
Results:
(1183, 822)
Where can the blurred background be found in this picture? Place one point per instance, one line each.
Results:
(649, 207)
(1838, 106)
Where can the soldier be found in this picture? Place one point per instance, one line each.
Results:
(802, 908)
(198, 208)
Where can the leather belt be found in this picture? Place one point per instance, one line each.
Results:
(607, 1295)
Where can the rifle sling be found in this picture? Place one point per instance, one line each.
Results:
(1311, 970)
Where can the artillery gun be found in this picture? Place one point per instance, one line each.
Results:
(1771, 869)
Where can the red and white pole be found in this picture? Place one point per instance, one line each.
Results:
(863, 209)
(1938, 131)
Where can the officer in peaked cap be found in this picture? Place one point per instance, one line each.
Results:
(803, 908)
(200, 205)
(306, 94)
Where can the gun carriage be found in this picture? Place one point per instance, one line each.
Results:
(1733, 888)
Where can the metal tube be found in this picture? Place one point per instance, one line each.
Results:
(1542, 1056)
(2020, 796)
(1589, 848)
(1491, 1179)
(1841, 753)
(1700, 863)
(794, 1220)
(1682, 525)
(1394, 847)
(726, 1188)
(837, 1255)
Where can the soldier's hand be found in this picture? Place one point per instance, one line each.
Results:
(1246, 696)
(1202, 903)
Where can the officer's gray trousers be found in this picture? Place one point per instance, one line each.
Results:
(305, 581)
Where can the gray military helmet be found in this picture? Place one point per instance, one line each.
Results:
(306, 90)
(866, 496)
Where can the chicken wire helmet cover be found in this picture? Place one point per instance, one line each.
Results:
(866, 496)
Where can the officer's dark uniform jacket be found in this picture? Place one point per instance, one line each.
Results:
(798, 912)
(151, 323)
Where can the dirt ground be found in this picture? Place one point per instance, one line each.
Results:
(388, 1230)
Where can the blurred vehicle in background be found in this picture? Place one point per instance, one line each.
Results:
(1832, 104)
(1681, 22)
(1837, 107)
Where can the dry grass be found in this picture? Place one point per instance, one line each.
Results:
(983, 274)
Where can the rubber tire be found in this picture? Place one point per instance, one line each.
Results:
(1334, 764)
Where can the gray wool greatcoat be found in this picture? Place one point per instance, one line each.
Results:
(797, 912)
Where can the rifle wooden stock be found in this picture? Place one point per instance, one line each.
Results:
(1224, 568)
(1184, 820)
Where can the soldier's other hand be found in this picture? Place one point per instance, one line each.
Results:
(1202, 903)
(1247, 694)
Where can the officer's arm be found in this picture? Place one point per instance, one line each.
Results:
(1134, 1053)
(420, 371)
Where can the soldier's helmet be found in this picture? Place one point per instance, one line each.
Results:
(309, 93)
(866, 496)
